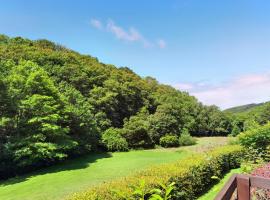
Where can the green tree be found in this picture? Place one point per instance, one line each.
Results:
(136, 130)
(41, 134)
(82, 122)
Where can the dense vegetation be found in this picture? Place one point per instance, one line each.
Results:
(74, 175)
(243, 108)
(56, 103)
(191, 177)
(248, 117)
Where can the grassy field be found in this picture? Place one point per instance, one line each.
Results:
(211, 194)
(56, 182)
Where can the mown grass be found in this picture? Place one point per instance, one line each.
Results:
(75, 175)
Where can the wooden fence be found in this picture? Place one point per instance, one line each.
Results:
(241, 185)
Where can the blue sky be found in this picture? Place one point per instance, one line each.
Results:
(217, 50)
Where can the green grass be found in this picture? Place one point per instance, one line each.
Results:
(211, 194)
(54, 183)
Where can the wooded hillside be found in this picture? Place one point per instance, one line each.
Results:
(56, 103)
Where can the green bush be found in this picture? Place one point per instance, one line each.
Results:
(186, 139)
(113, 140)
(169, 141)
(192, 176)
(256, 138)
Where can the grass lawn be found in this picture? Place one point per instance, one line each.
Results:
(54, 183)
(211, 194)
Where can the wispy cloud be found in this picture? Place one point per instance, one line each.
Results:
(96, 23)
(253, 88)
(161, 43)
(130, 34)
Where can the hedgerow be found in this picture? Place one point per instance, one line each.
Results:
(192, 176)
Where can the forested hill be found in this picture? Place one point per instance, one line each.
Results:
(244, 108)
(56, 103)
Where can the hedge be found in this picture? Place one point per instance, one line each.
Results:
(192, 176)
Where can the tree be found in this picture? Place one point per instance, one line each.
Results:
(41, 134)
(263, 116)
(82, 122)
(55, 103)
(136, 130)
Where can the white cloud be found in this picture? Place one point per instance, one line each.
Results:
(129, 35)
(253, 88)
(161, 43)
(96, 23)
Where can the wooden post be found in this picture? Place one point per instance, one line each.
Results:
(228, 189)
(243, 187)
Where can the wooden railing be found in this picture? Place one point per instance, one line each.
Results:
(242, 184)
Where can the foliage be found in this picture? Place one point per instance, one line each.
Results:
(186, 139)
(90, 169)
(250, 124)
(41, 134)
(191, 176)
(256, 115)
(56, 103)
(169, 141)
(236, 128)
(256, 142)
(135, 131)
(243, 108)
(114, 141)
(140, 192)
(165, 193)
(253, 159)
(83, 126)
(257, 138)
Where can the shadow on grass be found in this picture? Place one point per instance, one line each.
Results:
(68, 165)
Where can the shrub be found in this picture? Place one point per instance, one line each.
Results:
(113, 140)
(186, 139)
(191, 176)
(256, 138)
(169, 141)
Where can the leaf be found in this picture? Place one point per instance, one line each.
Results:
(155, 197)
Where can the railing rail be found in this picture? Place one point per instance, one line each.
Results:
(242, 183)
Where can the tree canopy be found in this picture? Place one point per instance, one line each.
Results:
(56, 103)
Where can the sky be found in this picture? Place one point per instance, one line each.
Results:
(218, 51)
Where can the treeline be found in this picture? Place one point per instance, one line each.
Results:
(56, 103)
(250, 118)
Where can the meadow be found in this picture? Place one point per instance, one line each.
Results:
(75, 175)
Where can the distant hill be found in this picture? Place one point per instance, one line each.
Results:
(244, 108)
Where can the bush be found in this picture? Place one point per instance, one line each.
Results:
(191, 176)
(169, 141)
(256, 138)
(186, 139)
(113, 140)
